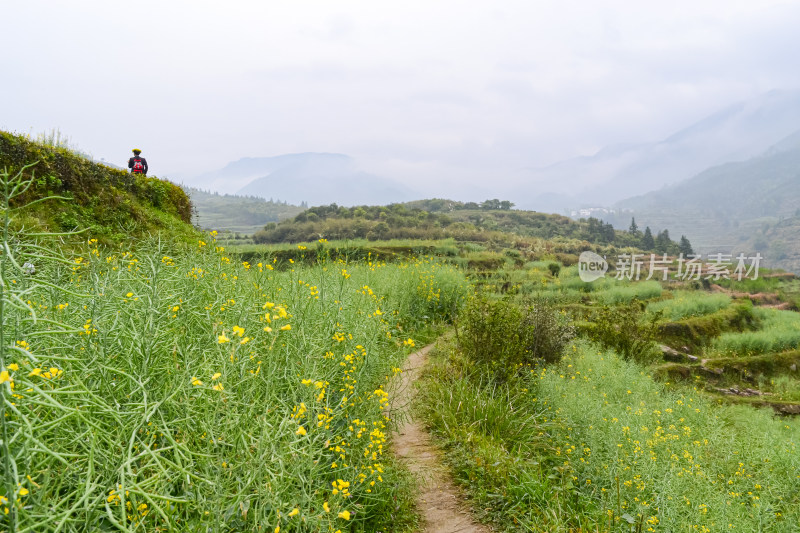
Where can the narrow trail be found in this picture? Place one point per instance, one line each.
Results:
(440, 501)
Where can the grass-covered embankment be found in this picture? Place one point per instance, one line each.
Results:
(117, 206)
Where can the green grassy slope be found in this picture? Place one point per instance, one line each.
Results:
(115, 205)
(238, 214)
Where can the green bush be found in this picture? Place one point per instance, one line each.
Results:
(626, 330)
(501, 336)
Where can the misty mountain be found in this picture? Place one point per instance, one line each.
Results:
(736, 133)
(237, 174)
(764, 186)
(744, 206)
(314, 178)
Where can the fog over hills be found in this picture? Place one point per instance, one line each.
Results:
(748, 206)
(314, 178)
(763, 186)
(736, 133)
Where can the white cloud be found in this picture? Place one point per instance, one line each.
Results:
(424, 90)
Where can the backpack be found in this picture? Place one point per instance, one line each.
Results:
(138, 167)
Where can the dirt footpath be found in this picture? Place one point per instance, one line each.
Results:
(440, 501)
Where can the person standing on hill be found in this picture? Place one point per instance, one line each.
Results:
(137, 164)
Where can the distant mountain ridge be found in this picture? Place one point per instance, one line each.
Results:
(736, 133)
(311, 177)
(766, 185)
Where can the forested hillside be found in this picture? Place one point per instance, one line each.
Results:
(446, 218)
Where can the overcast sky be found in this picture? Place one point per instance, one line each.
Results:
(419, 90)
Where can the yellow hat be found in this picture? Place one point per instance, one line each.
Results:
(137, 151)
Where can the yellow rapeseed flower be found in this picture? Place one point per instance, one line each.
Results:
(294, 512)
(301, 431)
(238, 331)
(35, 372)
(326, 507)
(196, 382)
(287, 327)
(4, 377)
(13, 366)
(23, 491)
(223, 339)
(345, 515)
(218, 386)
(216, 376)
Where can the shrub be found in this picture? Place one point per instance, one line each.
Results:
(549, 331)
(501, 336)
(626, 330)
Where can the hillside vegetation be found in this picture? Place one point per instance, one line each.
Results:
(237, 214)
(117, 206)
(441, 219)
